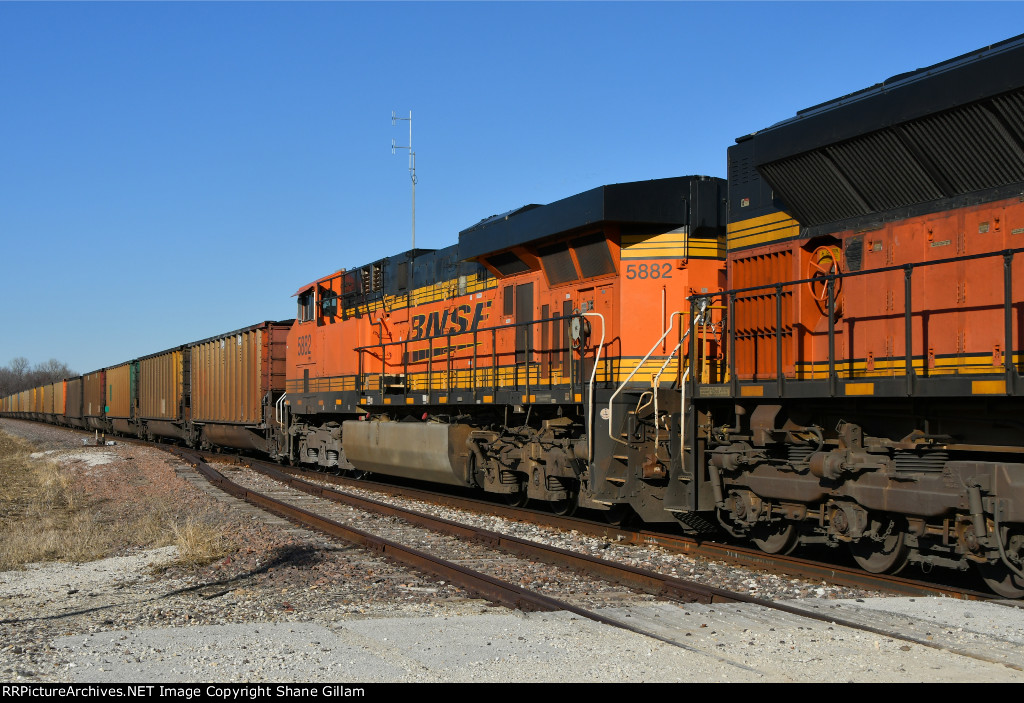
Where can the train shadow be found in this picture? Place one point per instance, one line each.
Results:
(296, 556)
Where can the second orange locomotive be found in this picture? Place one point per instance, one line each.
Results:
(490, 363)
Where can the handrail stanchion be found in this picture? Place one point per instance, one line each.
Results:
(908, 329)
(734, 383)
(778, 339)
(831, 286)
(1008, 321)
(590, 399)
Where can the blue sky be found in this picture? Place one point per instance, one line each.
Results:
(170, 171)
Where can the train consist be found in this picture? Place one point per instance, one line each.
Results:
(824, 349)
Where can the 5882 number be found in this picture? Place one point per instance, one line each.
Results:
(644, 271)
(304, 345)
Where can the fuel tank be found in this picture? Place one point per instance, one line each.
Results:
(426, 451)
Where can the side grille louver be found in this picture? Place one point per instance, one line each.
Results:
(959, 151)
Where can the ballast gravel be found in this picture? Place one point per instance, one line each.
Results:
(294, 607)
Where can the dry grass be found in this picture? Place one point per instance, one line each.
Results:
(201, 540)
(45, 515)
(41, 511)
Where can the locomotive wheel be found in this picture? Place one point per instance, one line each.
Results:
(887, 556)
(998, 575)
(1001, 580)
(775, 537)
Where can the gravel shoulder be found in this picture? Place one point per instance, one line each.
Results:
(293, 606)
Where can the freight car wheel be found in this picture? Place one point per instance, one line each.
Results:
(775, 538)
(888, 555)
(566, 506)
(517, 499)
(619, 515)
(1001, 580)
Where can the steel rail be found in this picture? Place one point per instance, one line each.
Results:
(749, 557)
(493, 589)
(641, 579)
(668, 586)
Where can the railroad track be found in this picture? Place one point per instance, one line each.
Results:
(473, 568)
(748, 557)
(837, 574)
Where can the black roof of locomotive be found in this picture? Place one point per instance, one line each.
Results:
(920, 142)
(694, 201)
(974, 76)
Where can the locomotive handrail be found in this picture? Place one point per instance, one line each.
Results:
(370, 348)
(277, 410)
(863, 272)
(730, 297)
(590, 399)
(682, 382)
(671, 324)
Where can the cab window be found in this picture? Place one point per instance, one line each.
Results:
(306, 306)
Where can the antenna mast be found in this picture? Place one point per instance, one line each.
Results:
(412, 166)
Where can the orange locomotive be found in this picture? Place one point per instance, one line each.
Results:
(876, 268)
(489, 363)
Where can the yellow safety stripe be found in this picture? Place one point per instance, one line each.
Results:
(445, 290)
(758, 231)
(671, 245)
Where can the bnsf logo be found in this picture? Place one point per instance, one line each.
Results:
(451, 321)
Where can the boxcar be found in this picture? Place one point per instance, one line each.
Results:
(163, 408)
(236, 378)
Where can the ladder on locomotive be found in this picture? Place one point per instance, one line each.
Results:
(662, 433)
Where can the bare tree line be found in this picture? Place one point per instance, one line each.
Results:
(19, 375)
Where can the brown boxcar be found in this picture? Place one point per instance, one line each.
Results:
(73, 402)
(161, 392)
(120, 385)
(55, 404)
(93, 397)
(38, 403)
(235, 380)
(47, 400)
